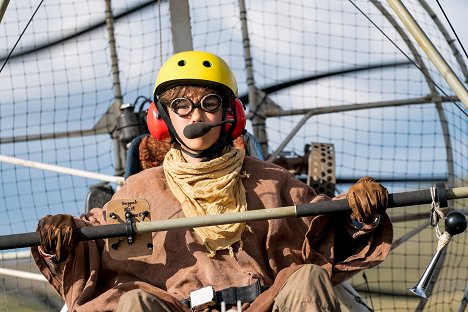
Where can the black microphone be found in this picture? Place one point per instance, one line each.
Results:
(199, 129)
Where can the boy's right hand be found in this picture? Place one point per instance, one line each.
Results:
(58, 236)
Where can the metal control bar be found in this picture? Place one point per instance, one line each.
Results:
(321, 208)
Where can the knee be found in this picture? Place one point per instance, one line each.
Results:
(131, 295)
(308, 277)
(313, 273)
(129, 299)
(307, 289)
(139, 300)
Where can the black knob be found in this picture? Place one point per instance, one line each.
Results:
(455, 223)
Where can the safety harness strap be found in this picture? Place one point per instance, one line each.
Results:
(231, 295)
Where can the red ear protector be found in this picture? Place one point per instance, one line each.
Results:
(156, 125)
(159, 130)
(238, 107)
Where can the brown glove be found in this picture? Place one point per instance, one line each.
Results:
(367, 198)
(58, 236)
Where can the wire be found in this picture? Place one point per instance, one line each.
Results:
(364, 276)
(95, 26)
(406, 55)
(160, 33)
(145, 100)
(451, 27)
(21, 35)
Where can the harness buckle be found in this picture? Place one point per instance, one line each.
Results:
(203, 298)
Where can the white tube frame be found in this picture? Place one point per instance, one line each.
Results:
(426, 45)
(23, 274)
(59, 169)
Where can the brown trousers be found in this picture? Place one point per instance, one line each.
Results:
(140, 301)
(307, 289)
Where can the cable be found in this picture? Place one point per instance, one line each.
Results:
(364, 276)
(451, 27)
(160, 33)
(411, 60)
(21, 35)
(37, 48)
(145, 100)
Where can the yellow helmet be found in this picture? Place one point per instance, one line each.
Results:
(195, 67)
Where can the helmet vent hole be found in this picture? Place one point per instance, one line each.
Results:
(207, 63)
(181, 63)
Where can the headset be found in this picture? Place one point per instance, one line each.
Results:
(235, 113)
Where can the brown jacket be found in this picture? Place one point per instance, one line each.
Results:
(272, 250)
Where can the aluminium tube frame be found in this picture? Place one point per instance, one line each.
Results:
(320, 208)
(432, 53)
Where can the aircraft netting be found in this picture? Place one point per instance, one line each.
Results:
(350, 66)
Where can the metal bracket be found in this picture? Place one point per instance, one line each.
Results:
(129, 211)
(441, 195)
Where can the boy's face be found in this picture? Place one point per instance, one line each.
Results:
(179, 121)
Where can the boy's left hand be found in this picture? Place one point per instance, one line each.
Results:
(367, 198)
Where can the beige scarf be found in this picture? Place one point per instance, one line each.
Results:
(208, 188)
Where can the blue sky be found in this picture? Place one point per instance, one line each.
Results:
(457, 12)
